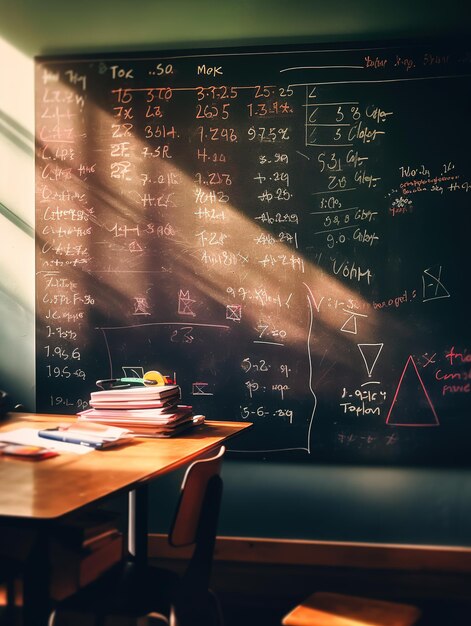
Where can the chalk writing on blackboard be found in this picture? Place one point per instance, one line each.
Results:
(283, 230)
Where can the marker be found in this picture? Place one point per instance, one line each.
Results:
(110, 383)
(61, 435)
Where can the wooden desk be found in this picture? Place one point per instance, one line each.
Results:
(37, 492)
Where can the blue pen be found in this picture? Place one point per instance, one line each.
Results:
(62, 435)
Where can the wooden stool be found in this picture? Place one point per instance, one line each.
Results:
(335, 609)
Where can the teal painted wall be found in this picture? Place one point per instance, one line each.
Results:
(268, 500)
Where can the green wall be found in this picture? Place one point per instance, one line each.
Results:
(271, 500)
(54, 26)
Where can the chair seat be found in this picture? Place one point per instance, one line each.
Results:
(335, 609)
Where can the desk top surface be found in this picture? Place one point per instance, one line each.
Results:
(53, 487)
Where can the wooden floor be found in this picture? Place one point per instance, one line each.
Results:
(244, 611)
(260, 595)
(252, 614)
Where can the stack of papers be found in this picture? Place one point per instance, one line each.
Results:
(151, 411)
(160, 396)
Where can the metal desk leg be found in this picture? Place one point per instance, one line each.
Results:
(138, 524)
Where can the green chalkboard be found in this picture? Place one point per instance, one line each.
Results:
(284, 230)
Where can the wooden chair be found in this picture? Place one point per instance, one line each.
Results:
(131, 591)
(335, 609)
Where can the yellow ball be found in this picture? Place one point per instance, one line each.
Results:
(155, 375)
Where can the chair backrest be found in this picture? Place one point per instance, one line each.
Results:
(199, 500)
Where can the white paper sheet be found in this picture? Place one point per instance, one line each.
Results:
(29, 436)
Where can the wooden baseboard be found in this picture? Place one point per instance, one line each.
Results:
(328, 554)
